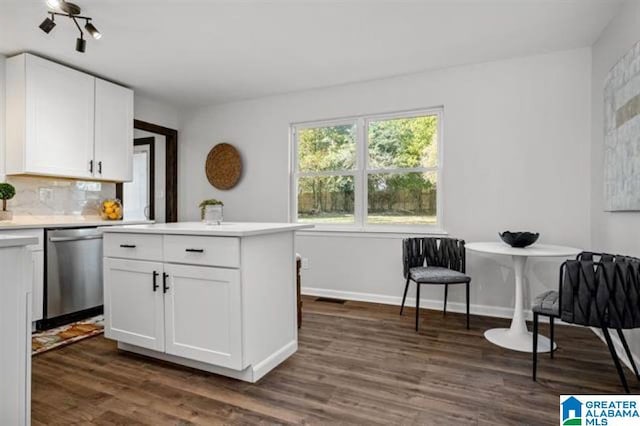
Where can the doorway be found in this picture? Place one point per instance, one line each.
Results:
(139, 196)
(153, 193)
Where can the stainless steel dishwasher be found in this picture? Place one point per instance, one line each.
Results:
(73, 277)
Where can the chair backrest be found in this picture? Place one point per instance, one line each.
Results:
(597, 294)
(444, 252)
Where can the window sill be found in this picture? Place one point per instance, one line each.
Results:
(394, 232)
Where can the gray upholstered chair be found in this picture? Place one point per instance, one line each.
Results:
(434, 261)
(604, 294)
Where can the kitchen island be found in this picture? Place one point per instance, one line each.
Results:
(220, 298)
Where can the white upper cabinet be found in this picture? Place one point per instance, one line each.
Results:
(63, 122)
(113, 125)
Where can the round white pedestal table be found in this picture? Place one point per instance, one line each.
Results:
(517, 337)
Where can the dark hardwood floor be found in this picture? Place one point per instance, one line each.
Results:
(357, 363)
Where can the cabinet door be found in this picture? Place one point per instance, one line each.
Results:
(114, 132)
(133, 306)
(60, 117)
(203, 315)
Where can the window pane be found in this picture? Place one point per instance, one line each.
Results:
(327, 148)
(326, 199)
(402, 198)
(403, 143)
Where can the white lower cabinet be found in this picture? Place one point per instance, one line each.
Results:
(134, 302)
(221, 304)
(203, 314)
(188, 311)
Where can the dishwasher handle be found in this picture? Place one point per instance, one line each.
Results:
(85, 237)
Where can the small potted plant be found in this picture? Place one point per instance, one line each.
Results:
(7, 192)
(211, 211)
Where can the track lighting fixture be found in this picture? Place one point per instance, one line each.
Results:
(47, 25)
(81, 44)
(71, 11)
(92, 30)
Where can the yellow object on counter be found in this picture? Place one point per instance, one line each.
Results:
(111, 209)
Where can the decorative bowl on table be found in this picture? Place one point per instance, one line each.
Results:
(111, 209)
(519, 239)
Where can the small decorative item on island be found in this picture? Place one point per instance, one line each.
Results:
(211, 211)
(111, 209)
(519, 239)
(7, 192)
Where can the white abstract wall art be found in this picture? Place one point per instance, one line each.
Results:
(622, 134)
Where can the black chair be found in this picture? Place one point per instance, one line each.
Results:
(604, 294)
(431, 261)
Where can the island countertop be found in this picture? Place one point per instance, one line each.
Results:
(226, 229)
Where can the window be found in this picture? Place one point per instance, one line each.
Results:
(368, 171)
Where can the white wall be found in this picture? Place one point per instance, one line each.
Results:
(152, 111)
(616, 232)
(611, 231)
(516, 156)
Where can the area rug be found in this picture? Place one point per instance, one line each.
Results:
(44, 341)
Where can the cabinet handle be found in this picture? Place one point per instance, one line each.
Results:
(165, 287)
(90, 166)
(194, 250)
(100, 167)
(128, 245)
(155, 280)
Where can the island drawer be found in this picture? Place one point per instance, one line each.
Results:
(210, 251)
(133, 246)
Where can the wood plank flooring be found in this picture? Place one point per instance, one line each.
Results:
(357, 363)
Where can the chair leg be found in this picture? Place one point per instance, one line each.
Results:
(404, 296)
(417, 305)
(446, 291)
(551, 336)
(616, 360)
(535, 344)
(467, 284)
(628, 352)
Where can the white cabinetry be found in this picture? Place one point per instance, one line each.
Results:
(220, 303)
(203, 314)
(36, 252)
(134, 302)
(63, 122)
(15, 331)
(113, 123)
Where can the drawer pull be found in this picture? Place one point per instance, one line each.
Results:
(155, 280)
(128, 245)
(195, 250)
(165, 287)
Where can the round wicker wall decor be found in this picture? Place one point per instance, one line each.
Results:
(223, 166)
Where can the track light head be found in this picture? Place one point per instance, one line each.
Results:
(47, 25)
(81, 44)
(91, 29)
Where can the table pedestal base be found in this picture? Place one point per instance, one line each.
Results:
(517, 341)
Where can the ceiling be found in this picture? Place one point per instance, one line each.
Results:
(197, 52)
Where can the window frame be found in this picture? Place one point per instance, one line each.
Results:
(361, 172)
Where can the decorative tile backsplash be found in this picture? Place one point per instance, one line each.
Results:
(55, 196)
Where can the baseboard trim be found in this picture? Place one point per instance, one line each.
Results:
(475, 309)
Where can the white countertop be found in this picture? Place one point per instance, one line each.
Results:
(226, 229)
(63, 221)
(13, 241)
(534, 250)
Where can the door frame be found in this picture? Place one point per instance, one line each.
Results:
(171, 167)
